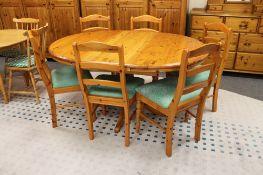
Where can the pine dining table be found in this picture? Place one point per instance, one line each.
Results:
(144, 51)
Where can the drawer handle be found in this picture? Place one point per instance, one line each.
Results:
(247, 44)
(243, 25)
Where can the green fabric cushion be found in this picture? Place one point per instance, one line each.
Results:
(162, 91)
(13, 52)
(20, 61)
(131, 83)
(66, 76)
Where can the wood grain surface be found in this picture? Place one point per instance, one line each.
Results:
(143, 50)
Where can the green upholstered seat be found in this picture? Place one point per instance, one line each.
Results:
(66, 76)
(162, 91)
(13, 52)
(20, 61)
(131, 83)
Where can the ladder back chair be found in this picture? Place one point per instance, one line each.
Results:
(57, 81)
(172, 95)
(225, 46)
(116, 90)
(94, 18)
(146, 18)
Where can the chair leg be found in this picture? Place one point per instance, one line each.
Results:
(34, 86)
(155, 78)
(27, 79)
(10, 84)
(94, 117)
(198, 122)
(138, 116)
(5, 73)
(104, 107)
(90, 120)
(169, 135)
(53, 110)
(2, 88)
(127, 125)
(215, 97)
(119, 122)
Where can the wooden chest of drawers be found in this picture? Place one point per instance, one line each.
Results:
(246, 49)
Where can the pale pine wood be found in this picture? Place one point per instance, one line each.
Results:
(64, 15)
(11, 37)
(89, 99)
(40, 9)
(38, 38)
(155, 51)
(146, 18)
(10, 9)
(26, 23)
(226, 45)
(92, 18)
(124, 10)
(172, 12)
(186, 69)
(101, 7)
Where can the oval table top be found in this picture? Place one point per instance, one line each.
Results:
(143, 50)
(11, 37)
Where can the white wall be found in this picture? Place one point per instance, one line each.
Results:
(197, 4)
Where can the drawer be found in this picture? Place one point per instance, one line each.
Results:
(249, 62)
(251, 43)
(242, 24)
(260, 30)
(215, 8)
(197, 34)
(199, 21)
(230, 60)
(258, 9)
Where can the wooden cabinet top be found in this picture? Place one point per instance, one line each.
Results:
(203, 12)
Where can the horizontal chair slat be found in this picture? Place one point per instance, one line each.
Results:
(97, 82)
(209, 48)
(199, 69)
(195, 87)
(100, 66)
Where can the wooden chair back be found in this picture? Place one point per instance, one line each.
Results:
(119, 68)
(38, 38)
(26, 23)
(92, 18)
(146, 18)
(187, 70)
(225, 41)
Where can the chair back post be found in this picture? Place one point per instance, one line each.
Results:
(95, 46)
(190, 67)
(181, 82)
(228, 34)
(95, 17)
(38, 40)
